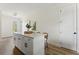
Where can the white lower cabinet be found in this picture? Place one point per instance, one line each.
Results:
(29, 45)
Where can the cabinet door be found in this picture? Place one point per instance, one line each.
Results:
(18, 41)
(38, 44)
(68, 27)
(15, 40)
(27, 45)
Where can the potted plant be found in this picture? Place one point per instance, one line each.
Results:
(28, 26)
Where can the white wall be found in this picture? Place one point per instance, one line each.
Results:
(6, 25)
(24, 26)
(47, 21)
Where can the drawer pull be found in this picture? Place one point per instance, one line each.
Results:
(28, 39)
(18, 38)
(14, 38)
(25, 44)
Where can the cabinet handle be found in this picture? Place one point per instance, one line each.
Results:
(25, 44)
(18, 38)
(28, 39)
(75, 32)
(14, 38)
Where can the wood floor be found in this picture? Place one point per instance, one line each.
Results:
(51, 50)
(54, 50)
(16, 51)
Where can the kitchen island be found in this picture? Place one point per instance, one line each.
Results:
(30, 44)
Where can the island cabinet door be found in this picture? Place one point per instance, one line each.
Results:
(27, 45)
(38, 45)
(19, 42)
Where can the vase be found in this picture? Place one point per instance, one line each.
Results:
(28, 29)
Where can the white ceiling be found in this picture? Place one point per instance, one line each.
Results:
(22, 8)
(26, 7)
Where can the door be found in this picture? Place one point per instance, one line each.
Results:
(17, 25)
(6, 25)
(68, 27)
(78, 27)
